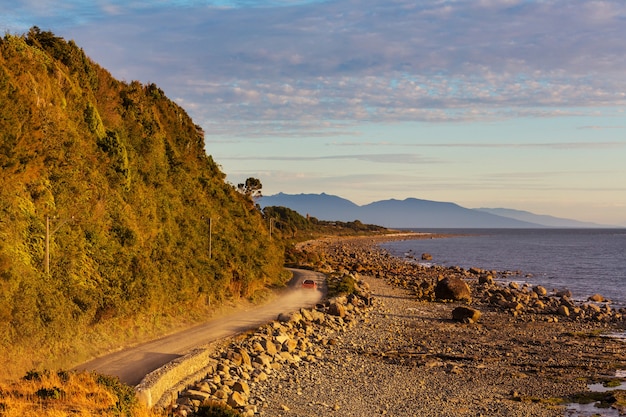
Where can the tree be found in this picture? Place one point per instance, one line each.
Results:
(251, 188)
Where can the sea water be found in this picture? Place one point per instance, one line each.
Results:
(583, 261)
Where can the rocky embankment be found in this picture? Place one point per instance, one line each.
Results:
(388, 349)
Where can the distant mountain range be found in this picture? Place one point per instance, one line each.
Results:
(416, 213)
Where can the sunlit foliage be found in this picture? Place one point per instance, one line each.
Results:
(123, 176)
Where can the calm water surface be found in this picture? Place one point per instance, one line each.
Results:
(585, 261)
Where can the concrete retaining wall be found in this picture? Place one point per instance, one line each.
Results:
(159, 387)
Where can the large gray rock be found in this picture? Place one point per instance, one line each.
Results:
(453, 289)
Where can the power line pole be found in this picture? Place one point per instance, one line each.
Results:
(49, 233)
(271, 226)
(47, 245)
(210, 234)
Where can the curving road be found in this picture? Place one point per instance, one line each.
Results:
(132, 364)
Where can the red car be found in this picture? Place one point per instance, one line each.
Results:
(309, 283)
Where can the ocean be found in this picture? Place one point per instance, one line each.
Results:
(584, 261)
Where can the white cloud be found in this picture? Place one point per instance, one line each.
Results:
(284, 70)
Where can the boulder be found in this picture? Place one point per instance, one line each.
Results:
(486, 279)
(290, 345)
(563, 310)
(466, 314)
(337, 309)
(245, 357)
(263, 359)
(597, 298)
(237, 399)
(269, 346)
(540, 290)
(242, 387)
(196, 395)
(454, 289)
(427, 257)
(294, 317)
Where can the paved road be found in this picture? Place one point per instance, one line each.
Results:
(132, 364)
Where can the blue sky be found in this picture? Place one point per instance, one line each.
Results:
(486, 103)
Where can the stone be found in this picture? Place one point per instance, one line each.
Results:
(220, 394)
(592, 307)
(515, 306)
(263, 359)
(290, 345)
(203, 386)
(486, 279)
(235, 358)
(223, 368)
(294, 317)
(466, 314)
(196, 395)
(257, 347)
(269, 346)
(245, 357)
(563, 310)
(540, 290)
(307, 315)
(260, 376)
(337, 309)
(427, 257)
(597, 298)
(564, 293)
(241, 386)
(237, 399)
(454, 289)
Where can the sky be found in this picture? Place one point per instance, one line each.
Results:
(486, 103)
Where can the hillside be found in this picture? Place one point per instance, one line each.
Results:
(417, 213)
(408, 213)
(541, 219)
(144, 231)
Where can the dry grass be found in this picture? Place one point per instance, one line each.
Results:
(69, 394)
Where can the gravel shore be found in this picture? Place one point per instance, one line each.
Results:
(393, 350)
(406, 357)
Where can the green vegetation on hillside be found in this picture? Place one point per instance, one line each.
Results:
(142, 225)
(288, 227)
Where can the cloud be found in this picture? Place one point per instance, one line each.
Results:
(493, 145)
(377, 158)
(318, 68)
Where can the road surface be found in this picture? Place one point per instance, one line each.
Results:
(132, 364)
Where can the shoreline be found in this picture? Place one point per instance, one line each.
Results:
(404, 355)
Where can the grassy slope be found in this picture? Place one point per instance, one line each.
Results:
(123, 174)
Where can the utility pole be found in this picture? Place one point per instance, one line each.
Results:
(271, 226)
(210, 234)
(48, 235)
(47, 245)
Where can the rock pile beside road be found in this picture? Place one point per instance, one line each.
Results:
(292, 341)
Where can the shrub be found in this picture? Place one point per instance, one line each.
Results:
(125, 394)
(214, 409)
(342, 286)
